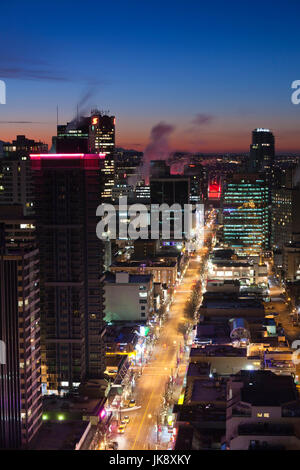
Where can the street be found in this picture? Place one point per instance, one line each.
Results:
(140, 433)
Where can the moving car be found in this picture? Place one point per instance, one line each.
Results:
(126, 419)
(121, 429)
(131, 403)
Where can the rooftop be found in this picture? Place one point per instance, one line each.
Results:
(59, 436)
(208, 390)
(264, 388)
(196, 369)
(145, 263)
(132, 278)
(218, 350)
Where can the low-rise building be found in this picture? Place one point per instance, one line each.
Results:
(224, 360)
(263, 411)
(162, 270)
(127, 297)
(230, 306)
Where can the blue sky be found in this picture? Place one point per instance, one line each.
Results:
(154, 61)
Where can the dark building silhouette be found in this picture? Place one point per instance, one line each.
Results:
(20, 372)
(68, 189)
(262, 150)
(16, 186)
(73, 137)
(93, 134)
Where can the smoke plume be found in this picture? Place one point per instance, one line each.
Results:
(158, 147)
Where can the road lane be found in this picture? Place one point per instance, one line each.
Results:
(140, 432)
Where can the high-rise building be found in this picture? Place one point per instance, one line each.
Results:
(73, 137)
(174, 191)
(195, 173)
(94, 134)
(16, 186)
(68, 187)
(262, 150)
(127, 164)
(102, 140)
(20, 375)
(246, 213)
(170, 190)
(285, 215)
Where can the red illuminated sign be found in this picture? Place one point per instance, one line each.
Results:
(94, 120)
(214, 190)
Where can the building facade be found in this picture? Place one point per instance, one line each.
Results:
(67, 195)
(246, 214)
(16, 185)
(128, 297)
(20, 375)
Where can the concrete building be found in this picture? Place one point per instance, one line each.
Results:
(162, 270)
(224, 360)
(20, 375)
(223, 285)
(263, 412)
(222, 305)
(291, 261)
(285, 215)
(127, 297)
(231, 270)
(16, 183)
(67, 194)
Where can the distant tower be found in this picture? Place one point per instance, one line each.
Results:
(102, 140)
(262, 150)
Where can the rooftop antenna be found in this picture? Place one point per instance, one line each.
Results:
(57, 115)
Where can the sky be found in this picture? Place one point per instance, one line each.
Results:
(212, 70)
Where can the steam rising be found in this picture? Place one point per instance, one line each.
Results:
(157, 149)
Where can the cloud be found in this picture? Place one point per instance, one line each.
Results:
(24, 73)
(20, 122)
(35, 71)
(200, 119)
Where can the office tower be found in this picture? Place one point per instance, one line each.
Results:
(93, 134)
(16, 186)
(142, 193)
(20, 375)
(127, 163)
(159, 169)
(246, 213)
(262, 151)
(102, 133)
(170, 190)
(195, 174)
(285, 215)
(67, 195)
(102, 140)
(73, 137)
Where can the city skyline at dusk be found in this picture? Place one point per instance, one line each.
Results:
(164, 63)
(149, 229)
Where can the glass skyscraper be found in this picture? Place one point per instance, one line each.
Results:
(246, 213)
